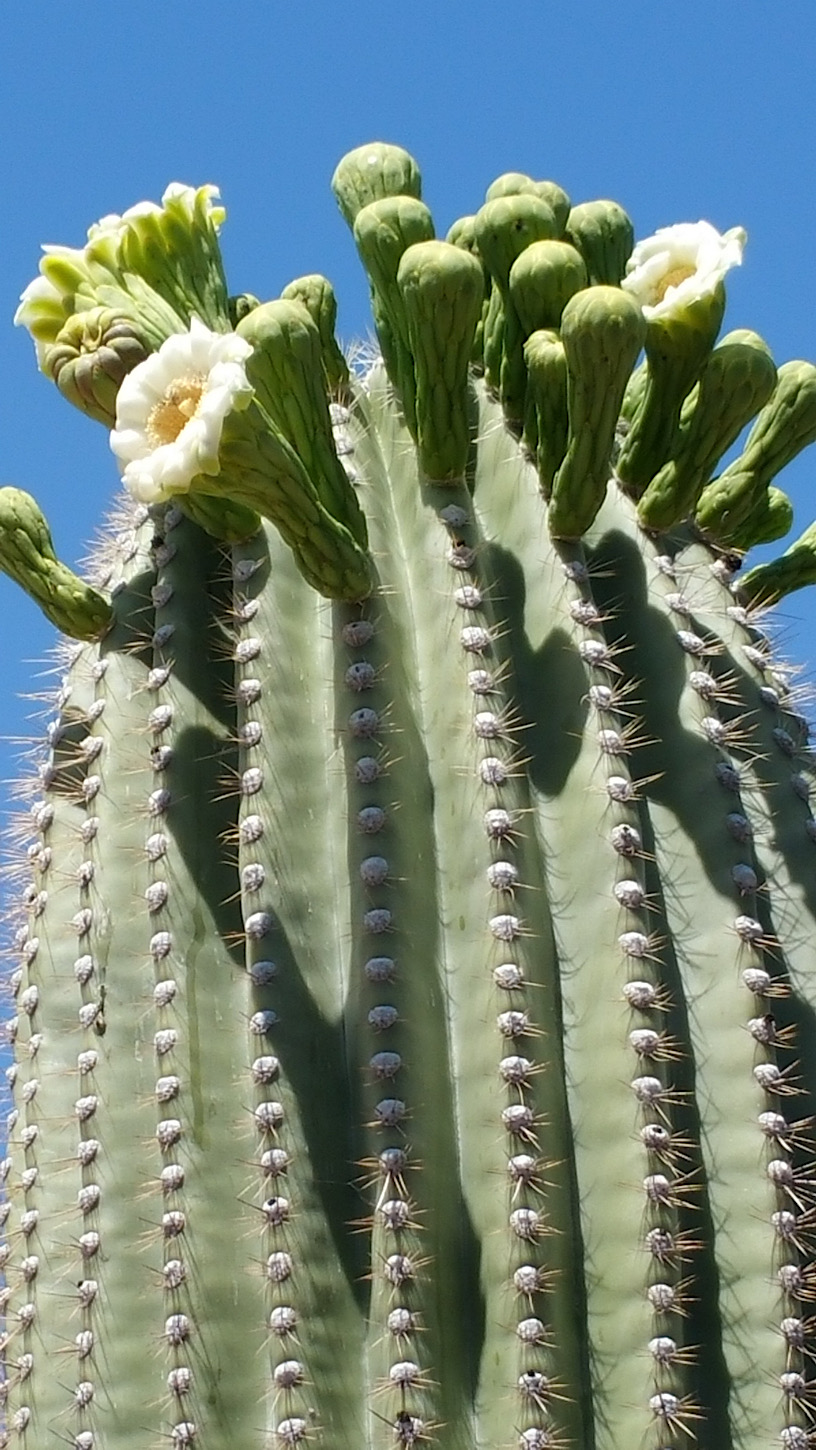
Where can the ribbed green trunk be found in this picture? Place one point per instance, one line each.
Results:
(414, 1025)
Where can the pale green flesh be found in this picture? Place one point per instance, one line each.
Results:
(598, 1322)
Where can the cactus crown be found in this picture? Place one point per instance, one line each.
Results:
(414, 1033)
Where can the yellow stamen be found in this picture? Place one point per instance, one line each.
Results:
(673, 279)
(179, 404)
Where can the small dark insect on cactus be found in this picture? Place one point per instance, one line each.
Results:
(415, 979)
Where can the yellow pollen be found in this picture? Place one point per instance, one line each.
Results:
(179, 404)
(673, 279)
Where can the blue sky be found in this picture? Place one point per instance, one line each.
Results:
(679, 112)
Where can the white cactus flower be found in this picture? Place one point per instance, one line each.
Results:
(113, 225)
(170, 411)
(40, 311)
(680, 264)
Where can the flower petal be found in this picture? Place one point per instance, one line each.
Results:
(668, 271)
(201, 366)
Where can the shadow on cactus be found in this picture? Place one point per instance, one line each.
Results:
(415, 983)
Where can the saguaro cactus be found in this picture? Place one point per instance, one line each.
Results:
(415, 978)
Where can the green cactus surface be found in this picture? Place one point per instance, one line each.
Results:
(413, 970)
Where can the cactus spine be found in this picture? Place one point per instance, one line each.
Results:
(414, 975)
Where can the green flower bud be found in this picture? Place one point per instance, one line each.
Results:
(542, 280)
(317, 296)
(493, 337)
(372, 172)
(261, 471)
(442, 288)
(510, 183)
(504, 227)
(546, 426)
(558, 200)
(677, 346)
(27, 556)
(90, 356)
(463, 234)
(736, 381)
(286, 371)
(785, 426)
(516, 183)
(633, 397)
(766, 584)
(383, 231)
(602, 331)
(241, 305)
(771, 519)
(603, 233)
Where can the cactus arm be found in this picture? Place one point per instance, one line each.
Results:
(442, 290)
(736, 382)
(27, 556)
(602, 333)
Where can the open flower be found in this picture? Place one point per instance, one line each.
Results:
(157, 265)
(679, 264)
(186, 200)
(170, 411)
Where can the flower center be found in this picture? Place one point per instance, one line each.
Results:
(673, 279)
(179, 404)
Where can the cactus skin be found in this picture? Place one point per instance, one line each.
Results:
(413, 1022)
